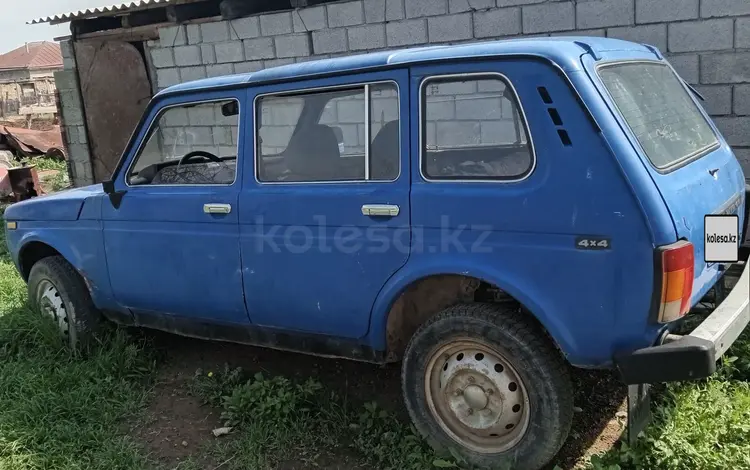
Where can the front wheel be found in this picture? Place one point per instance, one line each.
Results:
(485, 381)
(57, 290)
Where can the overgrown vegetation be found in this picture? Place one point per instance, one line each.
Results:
(55, 182)
(273, 416)
(59, 410)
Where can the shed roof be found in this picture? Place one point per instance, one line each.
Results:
(110, 10)
(34, 55)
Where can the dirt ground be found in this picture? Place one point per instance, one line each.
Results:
(177, 426)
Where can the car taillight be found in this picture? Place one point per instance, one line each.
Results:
(677, 269)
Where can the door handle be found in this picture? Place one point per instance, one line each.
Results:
(217, 208)
(380, 210)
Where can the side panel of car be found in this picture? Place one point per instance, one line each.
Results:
(321, 230)
(167, 252)
(570, 226)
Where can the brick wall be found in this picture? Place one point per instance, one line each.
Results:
(707, 41)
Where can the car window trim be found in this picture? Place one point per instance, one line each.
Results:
(677, 164)
(423, 129)
(365, 85)
(155, 120)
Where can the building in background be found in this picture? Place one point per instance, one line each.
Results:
(27, 82)
(117, 57)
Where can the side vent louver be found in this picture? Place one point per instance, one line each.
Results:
(555, 117)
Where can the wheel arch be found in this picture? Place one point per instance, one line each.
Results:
(393, 322)
(34, 247)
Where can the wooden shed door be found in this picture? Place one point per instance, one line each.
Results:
(116, 89)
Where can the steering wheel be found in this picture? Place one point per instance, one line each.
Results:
(199, 153)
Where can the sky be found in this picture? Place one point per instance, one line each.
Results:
(14, 31)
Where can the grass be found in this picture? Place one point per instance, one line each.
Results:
(59, 410)
(56, 182)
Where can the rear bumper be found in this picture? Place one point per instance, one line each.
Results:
(692, 356)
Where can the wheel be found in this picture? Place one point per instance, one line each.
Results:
(56, 289)
(483, 380)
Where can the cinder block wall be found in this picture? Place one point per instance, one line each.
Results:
(707, 41)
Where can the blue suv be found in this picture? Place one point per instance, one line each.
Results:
(487, 214)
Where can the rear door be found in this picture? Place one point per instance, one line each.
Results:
(324, 218)
(692, 166)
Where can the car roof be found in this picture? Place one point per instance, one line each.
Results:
(563, 51)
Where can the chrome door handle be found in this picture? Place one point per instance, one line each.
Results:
(217, 208)
(380, 210)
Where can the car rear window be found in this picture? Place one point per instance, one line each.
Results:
(658, 109)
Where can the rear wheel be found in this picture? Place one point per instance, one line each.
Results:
(57, 290)
(483, 380)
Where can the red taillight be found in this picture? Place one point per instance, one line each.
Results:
(677, 270)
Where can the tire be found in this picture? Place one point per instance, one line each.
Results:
(475, 355)
(56, 289)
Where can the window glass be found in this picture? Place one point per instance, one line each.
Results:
(190, 144)
(473, 129)
(330, 136)
(657, 108)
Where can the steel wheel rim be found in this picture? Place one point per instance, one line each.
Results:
(476, 396)
(51, 304)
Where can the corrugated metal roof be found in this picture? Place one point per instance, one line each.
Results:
(103, 11)
(34, 55)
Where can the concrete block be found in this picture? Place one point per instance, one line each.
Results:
(66, 80)
(725, 68)
(293, 45)
(215, 32)
(736, 130)
(599, 32)
(309, 19)
(345, 14)
(188, 74)
(194, 34)
(460, 6)
(208, 54)
(742, 101)
(706, 35)
(162, 58)
(267, 64)
(711, 8)
(231, 51)
(259, 48)
(380, 11)
(274, 24)
(69, 63)
(171, 36)
(548, 17)
(686, 67)
(329, 40)
(450, 28)
(405, 33)
(245, 28)
(718, 99)
(219, 70)
(187, 55)
(513, 3)
(417, 8)
(248, 67)
(366, 37)
(653, 34)
(167, 77)
(656, 11)
(604, 13)
(499, 22)
(742, 33)
(66, 49)
(743, 155)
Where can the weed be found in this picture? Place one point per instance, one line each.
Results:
(47, 163)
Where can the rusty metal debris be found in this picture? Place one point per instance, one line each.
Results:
(31, 142)
(24, 183)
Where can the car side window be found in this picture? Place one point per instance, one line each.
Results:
(473, 128)
(344, 134)
(189, 144)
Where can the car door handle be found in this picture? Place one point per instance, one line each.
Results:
(380, 210)
(217, 208)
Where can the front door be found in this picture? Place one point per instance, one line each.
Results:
(172, 245)
(325, 219)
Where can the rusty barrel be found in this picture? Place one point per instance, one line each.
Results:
(24, 182)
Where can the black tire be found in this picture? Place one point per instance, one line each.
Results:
(536, 361)
(82, 318)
